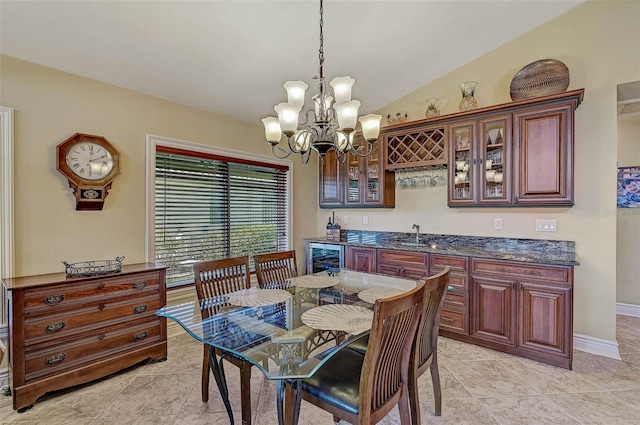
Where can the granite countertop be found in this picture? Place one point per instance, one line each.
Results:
(525, 250)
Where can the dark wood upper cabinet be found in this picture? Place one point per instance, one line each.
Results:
(359, 182)
(544, 155)
(520, 154)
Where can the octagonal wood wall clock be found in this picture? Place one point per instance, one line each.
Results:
(90, 163)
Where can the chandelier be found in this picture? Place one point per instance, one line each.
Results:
(329, 124)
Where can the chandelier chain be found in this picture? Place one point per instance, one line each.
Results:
(321, 51)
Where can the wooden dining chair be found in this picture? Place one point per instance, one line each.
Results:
(273, 269)
(425, 348)
(362, 389)
(213, 279)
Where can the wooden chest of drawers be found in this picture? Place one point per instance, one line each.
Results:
(67, 331)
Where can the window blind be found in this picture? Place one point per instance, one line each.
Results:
(209, 207)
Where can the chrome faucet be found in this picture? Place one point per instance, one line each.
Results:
(417, 227)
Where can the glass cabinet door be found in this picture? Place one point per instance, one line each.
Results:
(462, 170)
(352, 165)
(373, 174)
(495, 150)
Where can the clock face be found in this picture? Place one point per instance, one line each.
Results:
(89, 161)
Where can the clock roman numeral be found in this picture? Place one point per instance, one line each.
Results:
(76, 165)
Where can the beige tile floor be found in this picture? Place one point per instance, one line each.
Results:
(480, 386)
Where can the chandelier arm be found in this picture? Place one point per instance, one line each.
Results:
(356, 152)
(305, 157)
(285, 153)
(341, 156)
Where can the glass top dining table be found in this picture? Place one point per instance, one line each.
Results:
(283, 332)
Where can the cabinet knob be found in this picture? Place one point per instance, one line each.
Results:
(140, 335)
(139, 308)
(54, 327)
(53, 299)
(55, 359)
(140, 285)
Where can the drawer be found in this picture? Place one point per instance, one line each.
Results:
(455, 321)
(457, 298)
(88, 316)
(438, 262)
(561, 274)
(50, 298)
(90, 347)
(403, 257)
(458, 281)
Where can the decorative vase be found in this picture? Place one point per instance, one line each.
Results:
(432, 108)
(468, 102)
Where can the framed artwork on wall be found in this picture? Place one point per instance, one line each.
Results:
(629, 187)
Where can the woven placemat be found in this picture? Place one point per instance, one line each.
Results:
(339, 317)
(256, 297)
(370, 295)
(312, 281)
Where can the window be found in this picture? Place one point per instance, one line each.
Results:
(209, 206)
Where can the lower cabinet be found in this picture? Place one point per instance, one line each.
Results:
(361, 259)
(524, 309)
(412, 265)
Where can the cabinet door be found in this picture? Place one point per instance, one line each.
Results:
(331, 181)
(493, 309)
(353, 179)
(544, 156)
(361, 259)
(462, 190)
(373, 177)
(494, 160)
(545, 318)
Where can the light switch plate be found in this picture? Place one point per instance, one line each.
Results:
(345, 219)
(497, 223)
(365, 219)
(546, 225)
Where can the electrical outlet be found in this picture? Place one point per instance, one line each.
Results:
(345, 219)
(546, 225)
(365, 219)
(497, 223)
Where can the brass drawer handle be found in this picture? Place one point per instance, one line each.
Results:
(448, 299)
(140, 285)
(139, 308)
(503, 270)
(53, 299)
(55, 359)
(534, 272)
(446, 319)
(140, 335)
(54, 327)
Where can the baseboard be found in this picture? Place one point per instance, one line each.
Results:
(628, 309)
(600, 347)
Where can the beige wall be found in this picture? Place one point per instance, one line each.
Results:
(628, 266)
(600, 44)
(51, 106)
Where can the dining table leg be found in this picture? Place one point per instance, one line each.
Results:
(288, 400)
(221, 381)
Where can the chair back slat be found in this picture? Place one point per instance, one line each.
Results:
(273, 270)
(427, 335)
(219, 277)
(385, 369)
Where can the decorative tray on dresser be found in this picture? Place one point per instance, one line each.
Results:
(68, 331)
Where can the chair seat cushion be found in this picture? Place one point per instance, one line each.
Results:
(337, 382)
(360, 344)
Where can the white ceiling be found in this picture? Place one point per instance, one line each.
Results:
(232, 57)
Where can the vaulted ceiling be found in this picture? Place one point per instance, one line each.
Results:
(232, 57)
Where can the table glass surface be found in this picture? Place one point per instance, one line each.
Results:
(273, 337)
